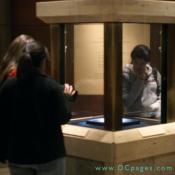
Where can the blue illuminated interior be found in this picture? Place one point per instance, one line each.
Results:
(125, 121)
(98, 122)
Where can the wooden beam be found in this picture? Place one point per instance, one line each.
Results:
(57, 52)
(81, 11)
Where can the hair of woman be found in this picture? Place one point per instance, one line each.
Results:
(10, 59)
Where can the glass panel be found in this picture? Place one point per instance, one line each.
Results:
(141, 79)
(88, 56)
(134, 34)
(140, 99)
(89, 69)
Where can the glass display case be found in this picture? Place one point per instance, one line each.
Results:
(90, 43)
(88, 49)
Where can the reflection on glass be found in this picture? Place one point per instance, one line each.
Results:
(141, 59)
(141, 82)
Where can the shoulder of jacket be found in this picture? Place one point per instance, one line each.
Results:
(53, 84)
(9, 83)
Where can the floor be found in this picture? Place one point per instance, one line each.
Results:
(4, 170)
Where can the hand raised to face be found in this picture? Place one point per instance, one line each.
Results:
(140, 69)
(69, 90)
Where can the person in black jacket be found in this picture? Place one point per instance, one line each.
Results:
(33, 108)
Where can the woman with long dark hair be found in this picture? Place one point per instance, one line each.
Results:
(8, 64)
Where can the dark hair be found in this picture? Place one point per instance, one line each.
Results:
(141, 52)
(31, 59)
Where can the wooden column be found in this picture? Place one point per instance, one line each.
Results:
(170, 67)
(156, 45)
(57, 52)
(69, 53)
(113, 76)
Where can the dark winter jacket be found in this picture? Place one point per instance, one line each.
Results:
(31, 114)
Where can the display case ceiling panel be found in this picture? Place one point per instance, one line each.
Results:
(80, 11)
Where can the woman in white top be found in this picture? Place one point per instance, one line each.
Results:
(141, 85)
